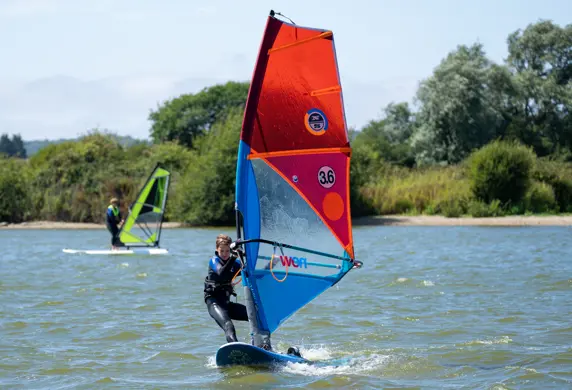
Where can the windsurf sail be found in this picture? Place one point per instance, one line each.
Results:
(143, 224)
(292, 178)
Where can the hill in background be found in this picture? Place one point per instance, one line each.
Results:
(32, 147)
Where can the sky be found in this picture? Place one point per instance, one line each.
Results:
(67, 66)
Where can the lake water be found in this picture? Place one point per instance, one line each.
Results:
(432, 308)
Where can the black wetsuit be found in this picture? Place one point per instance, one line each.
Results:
(218, 289)
(112, 219)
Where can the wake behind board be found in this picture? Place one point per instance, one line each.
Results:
(132, 251)
(243, 354)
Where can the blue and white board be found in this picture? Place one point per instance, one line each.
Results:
(244, 354)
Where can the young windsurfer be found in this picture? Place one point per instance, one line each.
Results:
(112, 220)
(223, 268)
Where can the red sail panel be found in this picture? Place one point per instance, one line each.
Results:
(295, 97)
(322, 180)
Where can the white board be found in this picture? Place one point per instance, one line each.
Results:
(132, 251)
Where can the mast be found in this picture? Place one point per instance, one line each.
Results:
(258, 337)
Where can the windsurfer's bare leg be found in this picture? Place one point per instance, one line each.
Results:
(220, 315)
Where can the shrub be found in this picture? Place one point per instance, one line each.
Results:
(559, 176)
(501, 170)
(452, 208)
(540, 198)
(480, 209)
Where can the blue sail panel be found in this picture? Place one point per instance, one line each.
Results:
(280, 302)
(290, 279)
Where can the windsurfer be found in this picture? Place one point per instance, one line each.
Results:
(112, 220)
(223, 268)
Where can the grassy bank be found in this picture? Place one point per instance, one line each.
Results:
(450, 191)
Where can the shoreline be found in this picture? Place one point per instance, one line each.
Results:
(70, 225)
(378, 220)
(438, 220)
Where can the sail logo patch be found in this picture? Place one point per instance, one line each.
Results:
(296, 262)
(316, 122)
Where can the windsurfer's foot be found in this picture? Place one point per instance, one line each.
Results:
(267, 347)
(293, 351)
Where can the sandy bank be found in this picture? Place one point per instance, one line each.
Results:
(436, 220)
(69, 225)
(390, 220)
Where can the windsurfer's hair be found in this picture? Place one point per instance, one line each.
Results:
(223, 239)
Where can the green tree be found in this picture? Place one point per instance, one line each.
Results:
(541, 59)
(18, 145)
(387, 139)
(461, 106)
(12, 147)
(73, 180)
(208, 185)
(6, 145)
(14, 190)
(184, 118)
(399, 122)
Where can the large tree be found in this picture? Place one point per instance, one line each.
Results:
(12, 147)
(18, 144)
(184, 118)
(462, 106)
(388, 138)
(540, 57)
(208, 184)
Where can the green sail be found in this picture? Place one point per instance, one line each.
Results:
(142, 226)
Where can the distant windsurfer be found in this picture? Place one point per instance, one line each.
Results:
(112, 221)
(223, 268)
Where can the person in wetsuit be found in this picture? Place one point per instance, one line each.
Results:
(112, 220)
(223, 267)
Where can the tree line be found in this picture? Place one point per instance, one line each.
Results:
(486, 139)
(13, 147)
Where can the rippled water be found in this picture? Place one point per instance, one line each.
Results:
(433, 307)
